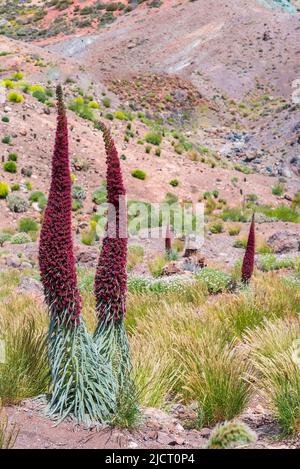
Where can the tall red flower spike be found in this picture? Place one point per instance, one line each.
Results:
(56, 258)
(111, 273)
(168, 240)
(248, 262)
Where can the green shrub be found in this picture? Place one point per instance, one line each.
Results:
(17, 76)
(16, 203)
(40, 96)
(76, 205)
(109, 116)
(34, 196)
(229, 434)
(135, 256)
(106, 102)
(214, 280)
(5, 119)
(156, 265)
(148, 149)
(13, 157)
(10, 167)
(42, 202)
(93, 105)
(81, 108)
(15, 187)
(269, 262)
(6, 139)
(234, 230)
(8, 84)
(278, 189)
(99, 196)
(233, 214)
(4, 237)
(78, 193)
(281, 212)
(14, 97)
(171, 198)
(27, 224)
(123, 116)
(20, 238)
(174, 182)
(4, 190)
(157, 151)
(154, 139)
(138, 174)
(243, 168)
(216, 227)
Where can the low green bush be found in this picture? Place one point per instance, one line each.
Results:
(14, 97)
(26, 225)
(10, 167)
(16, 204)
(138, 174)
(13, 157)
(78, 193)
(269, 262)
(154, 139)
(6, 139)
(4, 237)
(20, 238)
(4, 190)
(214, 280)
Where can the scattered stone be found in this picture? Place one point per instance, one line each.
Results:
(30, 285)
(284, 241)
(13, 262)
(26, 265)
(171, 269)
(87, 258)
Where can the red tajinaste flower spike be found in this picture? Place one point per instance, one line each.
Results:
(248, 262)
(111, 273)
(56, 258)
(168, 240)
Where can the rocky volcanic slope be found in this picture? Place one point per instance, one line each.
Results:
(242, 55)
(221, 129)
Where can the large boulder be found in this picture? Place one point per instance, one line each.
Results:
(284, 241)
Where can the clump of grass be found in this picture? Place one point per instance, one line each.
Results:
(216, 377)
(10, 167)
(269, 262)
(234, 214)
(154, 139)
(216, 227)
(25, 371)
(234, 230)
(8, 432)
(156, 265)
(275, 357)
(135, 256)
(27, 224)
(82, 109)
(281, 212)
(278, 189)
